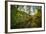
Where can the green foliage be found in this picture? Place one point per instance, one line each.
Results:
(20, 19)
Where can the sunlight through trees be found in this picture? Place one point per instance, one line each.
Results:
(24, 16)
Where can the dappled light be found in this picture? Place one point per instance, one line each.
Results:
(23, 16)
